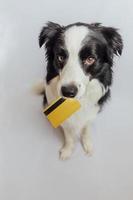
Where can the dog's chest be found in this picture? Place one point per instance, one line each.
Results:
(80, 118)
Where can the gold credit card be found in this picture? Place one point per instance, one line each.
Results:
(60, 110)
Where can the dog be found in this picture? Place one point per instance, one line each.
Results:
(79, 65)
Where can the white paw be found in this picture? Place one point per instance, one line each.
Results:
(88, 147)
(65, 153)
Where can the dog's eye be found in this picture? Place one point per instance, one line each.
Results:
(89, 61)
(60, 58)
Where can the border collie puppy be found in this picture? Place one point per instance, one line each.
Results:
(79, 65)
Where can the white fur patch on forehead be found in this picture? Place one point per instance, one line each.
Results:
(74, 37)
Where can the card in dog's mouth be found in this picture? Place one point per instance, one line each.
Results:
(60, 110)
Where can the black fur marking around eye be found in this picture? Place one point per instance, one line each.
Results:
(60, 52)
(85, 52)
(103, 61)
(102, 68)
(51, 36)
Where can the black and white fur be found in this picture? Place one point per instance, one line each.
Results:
(79, 64)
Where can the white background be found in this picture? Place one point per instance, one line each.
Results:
(29, 165)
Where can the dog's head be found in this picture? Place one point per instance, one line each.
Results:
(78, 53)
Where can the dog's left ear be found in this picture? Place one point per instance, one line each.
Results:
(48, 32)
(113, 38)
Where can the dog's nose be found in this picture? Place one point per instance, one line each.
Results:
(69, 91)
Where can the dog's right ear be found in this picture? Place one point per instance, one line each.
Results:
(48, 32)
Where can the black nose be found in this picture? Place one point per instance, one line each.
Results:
(69, 90)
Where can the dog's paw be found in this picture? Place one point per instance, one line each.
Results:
(65, 153)
(87, 147)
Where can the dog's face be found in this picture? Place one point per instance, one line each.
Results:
(78, 53)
